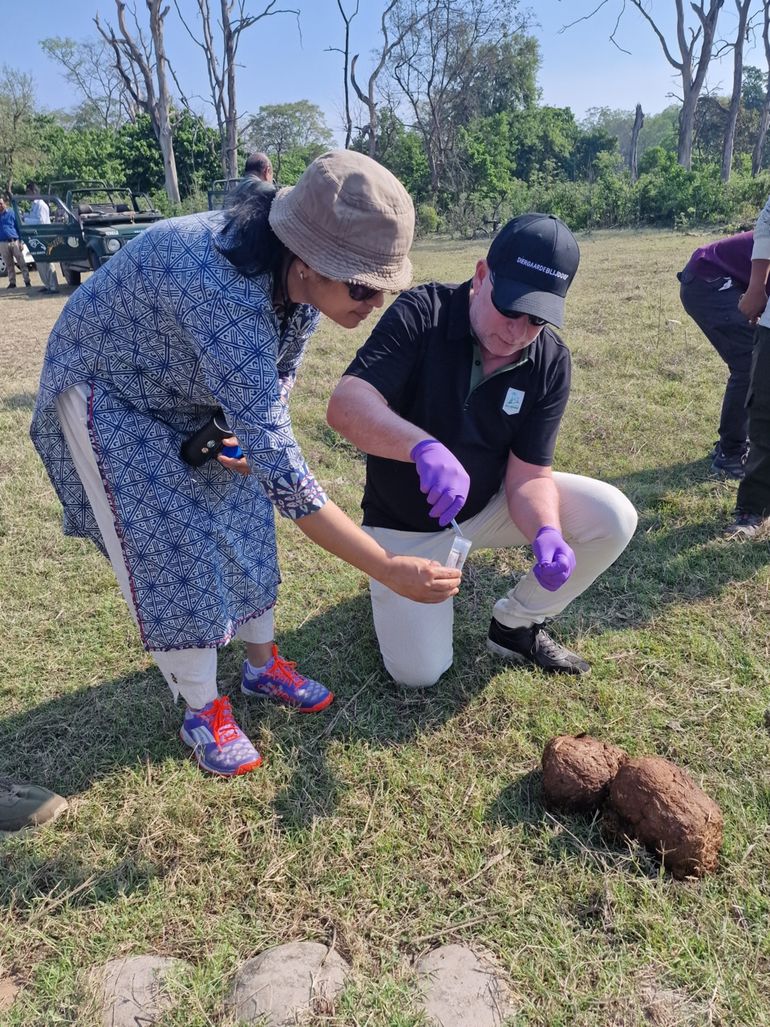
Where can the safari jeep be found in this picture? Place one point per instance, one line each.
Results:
(90, 222)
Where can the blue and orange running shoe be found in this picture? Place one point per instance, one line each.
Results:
(217, 742)
(281, 682)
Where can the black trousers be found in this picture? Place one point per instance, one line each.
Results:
(714, 309)
(754, 490)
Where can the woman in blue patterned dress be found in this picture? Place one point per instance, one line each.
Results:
(204, 314)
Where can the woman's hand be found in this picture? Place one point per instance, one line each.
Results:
(753, 302)
(240, 465)
(424, 581)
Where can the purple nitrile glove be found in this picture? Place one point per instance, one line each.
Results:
(554, 560)
(442, 478)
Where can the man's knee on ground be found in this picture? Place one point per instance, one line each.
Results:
(421, 671)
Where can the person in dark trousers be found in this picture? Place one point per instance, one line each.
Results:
(712, 283)
(457, 398)
(753, 500)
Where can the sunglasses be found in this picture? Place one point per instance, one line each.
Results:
(360, 293)
(513, 315)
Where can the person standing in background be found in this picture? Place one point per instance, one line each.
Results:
(10, 247)
(711, 286)
(40, 214)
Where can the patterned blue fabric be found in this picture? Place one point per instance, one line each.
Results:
(161, 335)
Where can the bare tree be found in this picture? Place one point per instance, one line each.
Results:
(691, 68)
(87, 65)
(764, 119)
(742, 6)
(442, 61)
(345, 51)
(142, 64)
(221, 64)
(633, 156)
(17, 108)
(369, 98)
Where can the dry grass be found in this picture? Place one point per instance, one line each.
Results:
(393, 823)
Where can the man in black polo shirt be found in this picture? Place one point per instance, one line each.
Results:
(457, 397)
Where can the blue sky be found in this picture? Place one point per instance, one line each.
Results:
(580, 67)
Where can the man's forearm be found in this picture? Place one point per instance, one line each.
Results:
(358, 412)
(533, 504)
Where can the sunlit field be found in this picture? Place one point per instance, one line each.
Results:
(392, 823)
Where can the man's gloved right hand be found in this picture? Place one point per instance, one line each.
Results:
(442, 478)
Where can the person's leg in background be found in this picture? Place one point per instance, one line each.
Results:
(714, 308)
(18, 256)
(209, 727)
(47, 272)
(10, 265)
(753, 499)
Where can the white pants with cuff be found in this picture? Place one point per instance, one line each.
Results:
(415, 639)
(47, 272)
(191, 673)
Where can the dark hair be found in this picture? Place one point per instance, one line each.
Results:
(33, 186)
(246, 238)
(257, 164)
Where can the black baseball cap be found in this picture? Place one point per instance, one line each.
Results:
(533, 260)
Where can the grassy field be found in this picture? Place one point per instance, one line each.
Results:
(392, 823)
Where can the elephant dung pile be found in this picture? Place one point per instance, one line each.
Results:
(649, 799)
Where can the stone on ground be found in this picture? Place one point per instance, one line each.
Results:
(131, 990)
(283, 983)
(9, 989)
(461, 987)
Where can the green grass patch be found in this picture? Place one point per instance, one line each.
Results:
(395, 822)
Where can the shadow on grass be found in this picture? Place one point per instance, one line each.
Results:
(73, 740)
(18, 401)
(567, 835)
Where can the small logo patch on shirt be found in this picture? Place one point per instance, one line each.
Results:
(513, 400)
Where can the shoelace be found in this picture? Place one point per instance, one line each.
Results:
(284, 670)
(548, 645)
(221, 721)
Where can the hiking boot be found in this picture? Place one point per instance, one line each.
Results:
(729, 466)
(283, 683)
(218, 744)
(23, 805)
(534, 645)
(744, 525)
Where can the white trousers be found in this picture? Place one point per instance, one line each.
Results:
(191, 673)
(48, 277)
(415, 639)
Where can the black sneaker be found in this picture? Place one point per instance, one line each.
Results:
(744, 525)
(534, 645)
(729, 466)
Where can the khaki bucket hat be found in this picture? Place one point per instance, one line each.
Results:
(349, 219)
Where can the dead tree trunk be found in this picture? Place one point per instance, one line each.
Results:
(764, 119)
(368, 98)
(692, 72)
(142, 67)
(633, 156)
(735, 100)
(221, 75)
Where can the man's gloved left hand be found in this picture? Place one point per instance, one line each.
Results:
(555, 561)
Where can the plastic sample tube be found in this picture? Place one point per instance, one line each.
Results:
(458, 553)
